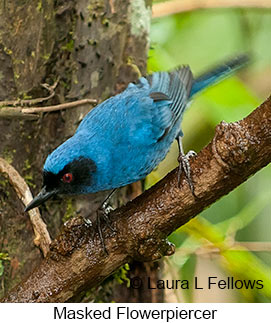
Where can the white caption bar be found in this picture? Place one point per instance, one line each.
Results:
(166, 312)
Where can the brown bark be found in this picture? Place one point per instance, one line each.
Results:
(91, 48)
(77, 260)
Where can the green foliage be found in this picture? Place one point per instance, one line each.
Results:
(121, 275)
(202, 39)
(3, 257)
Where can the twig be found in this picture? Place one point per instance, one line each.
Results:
(253, 246)
(57, 107)
(42, 238)
(177, 6)
(13, 113)
(238, 245)
(76, 259)
(14, 103)
(28, 113)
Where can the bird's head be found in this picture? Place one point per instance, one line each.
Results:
(66, 171)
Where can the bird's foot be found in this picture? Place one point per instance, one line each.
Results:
(87, 222)
(102, 214)
(184, 166)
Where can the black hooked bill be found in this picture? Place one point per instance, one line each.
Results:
(40, 198)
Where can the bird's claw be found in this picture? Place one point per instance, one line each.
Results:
(102, 213)
(106, 208)
(184, 166)
(87, 222)
(191, 154)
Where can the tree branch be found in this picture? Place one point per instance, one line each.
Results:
(42, 237)
(17, 108)
(49, 88)
(176, 6)
(76, 260)
(28, 113)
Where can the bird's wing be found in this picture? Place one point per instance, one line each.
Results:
(148, 117)
(176, 85)
(157, 103)
(145, 112)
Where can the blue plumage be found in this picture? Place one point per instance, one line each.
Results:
(124, 138)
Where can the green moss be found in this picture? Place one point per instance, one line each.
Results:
(130, 62)
(1, 268)
(25, 96)
(4, 187)
(29, 180)
(39, 6)
(8, 155)
(92, 42)
(16, 75)
(95, 9)
(28, 177)
(68, 46)
(46, 56)
(8, 51)
(91, 9)
(27, 165)
(3, 183)
(3, 257)
(75, 80)
(105, 22)
(70, 211)
(18, 61)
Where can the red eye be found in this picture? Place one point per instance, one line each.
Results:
(67, 178)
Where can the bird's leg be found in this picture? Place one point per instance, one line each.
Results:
(100, 232)
(105, 208)
(184, 165)
(103, 211)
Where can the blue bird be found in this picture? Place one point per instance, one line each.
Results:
(125, 137)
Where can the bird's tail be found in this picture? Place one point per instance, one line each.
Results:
(218, 73)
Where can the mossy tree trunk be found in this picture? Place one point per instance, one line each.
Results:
(93, 48)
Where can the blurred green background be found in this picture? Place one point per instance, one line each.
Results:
(242, 219)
